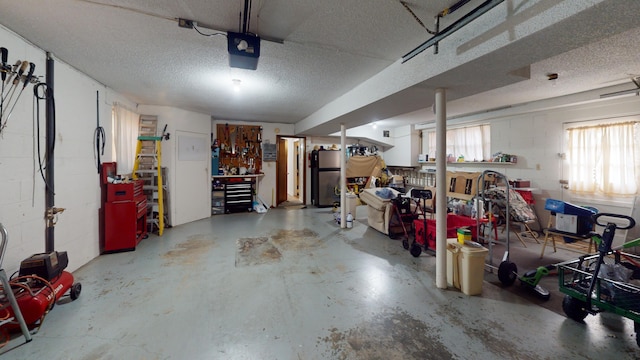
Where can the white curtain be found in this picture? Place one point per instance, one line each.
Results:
(125, 137)
(604, 159)
(473, 143)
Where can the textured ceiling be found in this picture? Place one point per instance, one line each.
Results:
(317, 51)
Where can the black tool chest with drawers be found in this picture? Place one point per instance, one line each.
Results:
(238, 196)
(232, 194)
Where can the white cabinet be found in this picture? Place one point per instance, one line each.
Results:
(406, 147)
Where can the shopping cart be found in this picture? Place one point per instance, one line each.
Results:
(605, 281)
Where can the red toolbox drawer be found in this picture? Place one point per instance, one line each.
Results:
(124, 192)
(141, 205)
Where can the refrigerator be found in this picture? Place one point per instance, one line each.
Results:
(325, 177)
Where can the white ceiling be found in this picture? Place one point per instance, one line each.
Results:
(321, 50)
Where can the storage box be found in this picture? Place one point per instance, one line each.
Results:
(571, 218)
(562, 207)
(527, 196)
(520, 183)
(454, 222)
(567, 223)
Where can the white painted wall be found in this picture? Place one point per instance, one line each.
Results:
(405, 150)
(196, 199)
(22, 193)
(77, 187)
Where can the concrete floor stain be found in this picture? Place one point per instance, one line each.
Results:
(507, 348)
(392, 334)
(295, 240)
(189, 252)
(256, 251)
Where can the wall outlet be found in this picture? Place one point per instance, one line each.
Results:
(185, 23)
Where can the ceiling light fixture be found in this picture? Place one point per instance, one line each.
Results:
(236, 85)
(242, 45)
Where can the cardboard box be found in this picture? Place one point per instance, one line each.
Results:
(520, 183)
(567, 223)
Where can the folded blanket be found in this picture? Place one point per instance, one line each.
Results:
(385, 193)
(519, 210)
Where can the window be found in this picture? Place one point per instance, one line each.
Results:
(124, 137)
(473, 142)
(604, 158)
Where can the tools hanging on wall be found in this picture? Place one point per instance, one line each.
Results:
(15, 77)
(240, 149)
(99, 137)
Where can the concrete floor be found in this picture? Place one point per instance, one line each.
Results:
(290, 284)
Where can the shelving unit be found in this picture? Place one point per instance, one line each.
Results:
(356, 184)
(462, 163)
(217, 198)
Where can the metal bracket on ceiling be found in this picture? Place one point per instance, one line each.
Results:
(457, 25)
(636, 91)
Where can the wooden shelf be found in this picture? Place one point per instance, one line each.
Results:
(490, 163)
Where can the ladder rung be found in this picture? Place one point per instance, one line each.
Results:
(149, 138)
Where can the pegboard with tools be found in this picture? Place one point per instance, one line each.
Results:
(240, 149)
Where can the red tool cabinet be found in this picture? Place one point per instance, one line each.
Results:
(125, 216)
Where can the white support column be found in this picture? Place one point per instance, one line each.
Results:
(343, 177)
(441, 188)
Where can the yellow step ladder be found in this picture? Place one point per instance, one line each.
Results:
(148, 166)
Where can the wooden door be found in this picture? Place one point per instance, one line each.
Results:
(281, 169)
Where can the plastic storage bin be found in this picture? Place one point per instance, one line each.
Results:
(465, 266)
(574, 219)
(472, 269)
(453, 268)
(562, 207)
(454, 222)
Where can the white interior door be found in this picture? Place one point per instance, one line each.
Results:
(193, 177)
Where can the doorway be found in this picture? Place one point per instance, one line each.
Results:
(290, 166)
